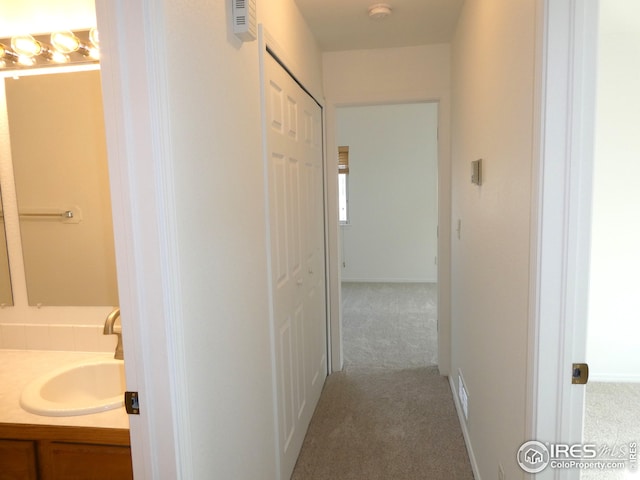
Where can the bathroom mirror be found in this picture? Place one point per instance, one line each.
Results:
(58, 152)
(6, 296)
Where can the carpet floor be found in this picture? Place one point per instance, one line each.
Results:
(384, 424)
(612, 418)
(388, 415)
(389, 324)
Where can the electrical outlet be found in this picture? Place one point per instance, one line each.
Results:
(501, 472)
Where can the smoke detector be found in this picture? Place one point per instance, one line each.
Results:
(379, 11)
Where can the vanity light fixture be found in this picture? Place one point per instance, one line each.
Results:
(67, 42)
(7, 54)
(28, 47)
(34, 51)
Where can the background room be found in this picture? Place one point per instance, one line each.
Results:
(389, 234)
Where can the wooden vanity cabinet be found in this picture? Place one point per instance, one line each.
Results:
(18, 460)
(46, 452)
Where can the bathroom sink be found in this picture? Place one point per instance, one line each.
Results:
(78, 389)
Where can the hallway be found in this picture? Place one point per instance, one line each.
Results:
(388, 414)
(381, 424)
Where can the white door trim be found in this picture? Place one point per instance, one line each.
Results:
(561, 223)
(138, 127)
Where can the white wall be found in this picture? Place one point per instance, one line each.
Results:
(395, 75)
(493, 60)
(614, 322)
(386, 75)
(220, 244)
(393, 180)
(21, 326)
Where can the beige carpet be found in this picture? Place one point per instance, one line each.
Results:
(612, 419)
(383, 424)
(389, 324)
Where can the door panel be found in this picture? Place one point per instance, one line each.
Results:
(296, 222)
(294, 201)
(279, 219)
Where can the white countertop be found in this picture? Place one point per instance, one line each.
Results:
(19, 367)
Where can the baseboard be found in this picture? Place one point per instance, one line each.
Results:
(387, 280)
(465, 432)
(614, 378)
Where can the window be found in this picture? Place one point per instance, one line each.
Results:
(343, 184)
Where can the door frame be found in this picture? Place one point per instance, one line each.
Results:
(138, 128)
(561, 221)
(444, 217)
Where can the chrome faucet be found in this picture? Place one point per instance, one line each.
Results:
(110, 328)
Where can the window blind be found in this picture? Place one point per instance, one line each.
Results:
(343, 159)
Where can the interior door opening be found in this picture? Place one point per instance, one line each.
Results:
(388, 234)
(613, 331)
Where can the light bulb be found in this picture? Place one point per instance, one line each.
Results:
(26, 46)
(58, 57)
(94, 37)
(93, 53)
(65, 42)
(26, 61)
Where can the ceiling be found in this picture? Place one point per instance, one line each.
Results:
(345, 24)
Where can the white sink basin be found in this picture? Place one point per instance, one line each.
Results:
(89, 387)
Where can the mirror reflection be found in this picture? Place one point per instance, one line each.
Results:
(6, 296)
(58, 152)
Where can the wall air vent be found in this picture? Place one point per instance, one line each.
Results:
(244, 19)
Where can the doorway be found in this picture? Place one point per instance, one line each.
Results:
(388, 234)
(567, 242)
(612, 395)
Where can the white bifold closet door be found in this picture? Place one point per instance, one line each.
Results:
(297, 267)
